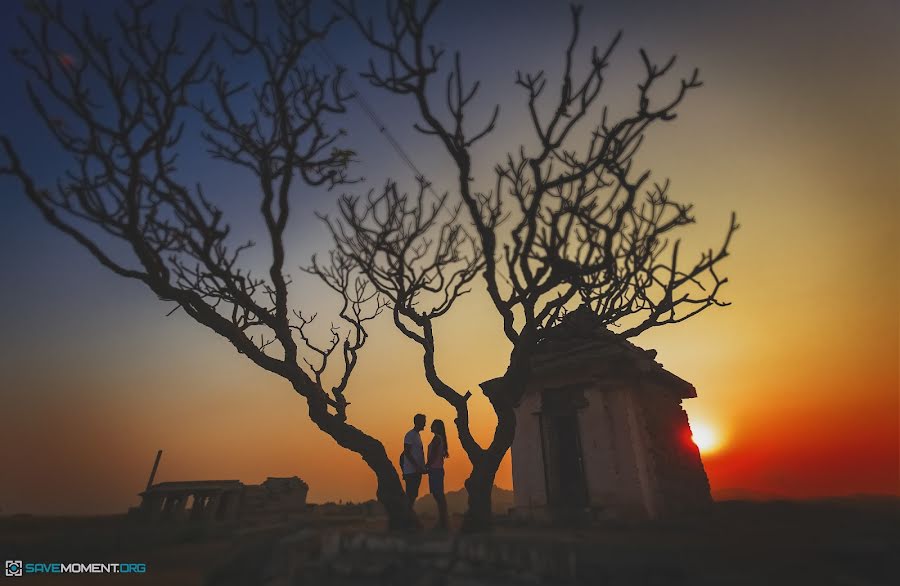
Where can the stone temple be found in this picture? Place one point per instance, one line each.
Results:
(222, 500)
(601, 431)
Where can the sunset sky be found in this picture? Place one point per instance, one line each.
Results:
(797, 129)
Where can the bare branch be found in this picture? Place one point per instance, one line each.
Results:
(118, 105)
(564, 225)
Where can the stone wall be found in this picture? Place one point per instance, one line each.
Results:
(348, 558)
(681, 484)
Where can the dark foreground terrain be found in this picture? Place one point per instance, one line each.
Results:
(851, 542)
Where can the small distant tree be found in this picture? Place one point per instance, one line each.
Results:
(117, 107)
(565, 225)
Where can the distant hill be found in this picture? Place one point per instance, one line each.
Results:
(457, 501)
(744, 494)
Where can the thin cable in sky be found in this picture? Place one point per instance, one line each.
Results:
(376, 120)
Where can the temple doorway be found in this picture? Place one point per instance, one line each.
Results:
(563, 455)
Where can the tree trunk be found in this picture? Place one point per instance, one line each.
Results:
(391, 495)
(390, 492)
(479, 485)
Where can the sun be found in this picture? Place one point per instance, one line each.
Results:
(705, 437)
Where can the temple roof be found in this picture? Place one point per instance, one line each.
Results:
(199, 485)
(582, 341)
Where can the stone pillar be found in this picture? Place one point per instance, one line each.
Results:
(197, 508)
(527, 455)
(637, 426)
(598, 443)
(178, 511)
(211, 506)
(168, 506)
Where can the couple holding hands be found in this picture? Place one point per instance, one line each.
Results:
(414, 464)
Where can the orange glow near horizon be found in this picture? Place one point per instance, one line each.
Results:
(707, 438)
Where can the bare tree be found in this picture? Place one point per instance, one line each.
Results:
(117, 106)
(564, 226)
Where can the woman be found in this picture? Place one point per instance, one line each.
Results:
(437, 451)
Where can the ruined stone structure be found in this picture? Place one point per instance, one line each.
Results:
(223, 500)
(601, 429)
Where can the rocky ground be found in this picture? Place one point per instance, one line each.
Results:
(851, 542)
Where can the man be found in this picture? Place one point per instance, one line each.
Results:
(412, 461)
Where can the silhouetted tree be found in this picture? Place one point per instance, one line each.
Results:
(117, 106)
(564, 226)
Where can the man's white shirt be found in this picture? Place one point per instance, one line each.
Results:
(417, 463)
